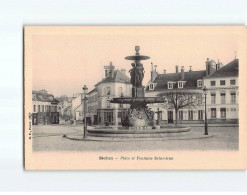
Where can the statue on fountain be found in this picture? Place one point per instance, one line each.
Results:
(136, 74)
(138, 116)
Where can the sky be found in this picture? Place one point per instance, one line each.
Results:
(66, 58)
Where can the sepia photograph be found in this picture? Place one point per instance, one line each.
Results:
(135, 90)
(123, 96)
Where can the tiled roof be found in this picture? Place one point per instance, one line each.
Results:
(94, 90)
(231, 69)
(117, 76)
(190, 77)
(44, 97)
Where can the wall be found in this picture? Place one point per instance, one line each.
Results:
(75, 103)
(115, 92)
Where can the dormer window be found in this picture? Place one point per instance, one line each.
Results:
(152, 86)
(199, 83)
(180, 84)
(170, 85)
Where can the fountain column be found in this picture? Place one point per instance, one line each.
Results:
(139, 116)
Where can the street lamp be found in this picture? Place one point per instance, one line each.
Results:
(206, 120)
(85, 89)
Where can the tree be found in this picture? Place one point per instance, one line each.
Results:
(178, 99)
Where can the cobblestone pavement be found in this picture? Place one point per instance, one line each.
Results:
(50, 138)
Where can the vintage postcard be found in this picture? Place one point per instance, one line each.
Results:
(135, 97)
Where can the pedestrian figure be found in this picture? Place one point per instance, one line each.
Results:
(155, 118)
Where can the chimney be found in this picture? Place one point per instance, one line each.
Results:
(218, 65)
(164, 71)
(153, 72)
(212, 66)
(111, 73)
(177, 69)
(190, 68)
(106, 73)
(155, 66)
(182, 73)
(109, 70)
(207, 67)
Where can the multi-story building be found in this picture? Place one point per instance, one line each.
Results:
(92, 103)
(44, 108)
(115, 84)
(77, 107)
(222, 94)
(190, 81)
(64, 107)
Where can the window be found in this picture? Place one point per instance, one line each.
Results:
(212, 83)
(120, 105)
(34, 108)
(43, 109)
(190, 114)
(222, 112)
(199, 83)
(38, 108)
(104, 92)
(108, 104)
(120, 91)
(151, 86)
(55, 108)
(180, 84)
(200, 99)
(200, 114)
(223, 98)
(213, 98)
(170, 85)
(108, 91)
(213, 112)
(99, 104)
(119, 114)
(99, 92)
(180, 115)
(233, 97)
(222, 82)
(233, 82)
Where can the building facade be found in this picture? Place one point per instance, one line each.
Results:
(64, 107)
(45, 108)
(92, 104)
(77, 107)
(180, 82)
(115, 84)
(222, 94)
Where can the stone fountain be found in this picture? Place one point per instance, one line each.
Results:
(139, 116)
(138, 120)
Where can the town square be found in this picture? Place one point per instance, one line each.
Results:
(51, 138)
(183, 110)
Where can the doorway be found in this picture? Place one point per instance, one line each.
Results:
(35, 119)
(170, 116)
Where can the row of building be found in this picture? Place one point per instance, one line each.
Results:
(45, 108)
(221, 83)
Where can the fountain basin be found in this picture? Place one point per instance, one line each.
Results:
(138, 100)
(128, 133)
(137, 57)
